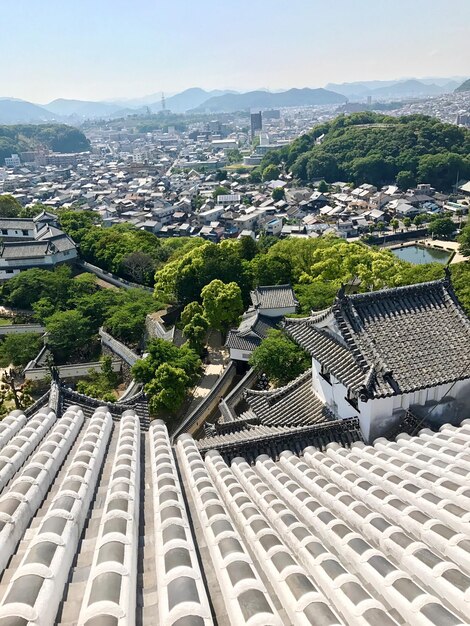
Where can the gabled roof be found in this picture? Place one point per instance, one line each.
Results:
(295, 404)
(253, 328)
(274, 297)
(399, 340)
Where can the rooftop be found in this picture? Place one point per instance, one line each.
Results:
(396, 340)
(274, 297)
(103, 524)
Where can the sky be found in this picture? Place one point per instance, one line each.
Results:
(110, 49)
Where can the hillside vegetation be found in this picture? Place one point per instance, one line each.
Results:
(374, 148)
(465, 86)
(55, 137)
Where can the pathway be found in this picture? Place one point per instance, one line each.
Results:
(449, 246)
(218, 357)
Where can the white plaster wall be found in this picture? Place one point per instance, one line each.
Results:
(239, 355)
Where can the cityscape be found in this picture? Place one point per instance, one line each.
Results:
(235, 314)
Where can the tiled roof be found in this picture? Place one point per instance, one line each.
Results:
(326, 349)
(24, 250)
(413, 337)
(240, 342)
(13, 223)
(274, 297)
(296, 404)
(253, 328)
(102, 524)
(393, 341)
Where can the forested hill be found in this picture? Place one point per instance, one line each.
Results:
(465, 86)
(378, 149)
(55, 137)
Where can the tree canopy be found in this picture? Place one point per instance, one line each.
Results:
(222, 304)
(57, 137)
(378, 149)
(464, 240)
(19, 349)
(279, 358)
(122, 312)
(167, 373)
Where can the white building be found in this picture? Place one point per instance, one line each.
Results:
(13, 161)
(36, 242)
(377, 355)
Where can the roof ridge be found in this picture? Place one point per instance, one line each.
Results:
(274, 393)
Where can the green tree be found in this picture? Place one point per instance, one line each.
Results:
(271, 172)
(220, 191)
(234, 156)
(405, 180)
(315, 296)
(248, 248)
(278, 193)
(189, 311)
(168, 388)
(126, 321)
(9, 206)
(101, 384)
(419, 220)
(323, 186)
(31, 285)
(68, 334)
(255, 176)
(442, 227)
(279, 358)
(395, 224)
(140, 267)
(195, 332)
(167, 373)
(19, 349)
(271, 269)
(407, 222)
(464, 240)
(222, 304)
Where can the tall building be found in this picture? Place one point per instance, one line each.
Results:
(256, 123)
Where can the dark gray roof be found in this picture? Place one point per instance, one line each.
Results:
(240, 342)
(296, 404)
(274, 297)
(14, 223)
(24, 250)
(253, 328)
(400, 340)
(328, 350)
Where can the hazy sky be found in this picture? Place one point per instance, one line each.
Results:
(98, 49)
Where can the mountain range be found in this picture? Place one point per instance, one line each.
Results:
(465, 86)
(265, 99)
(197, 100)
(409, 88)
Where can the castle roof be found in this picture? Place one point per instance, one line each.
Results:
(392, 341)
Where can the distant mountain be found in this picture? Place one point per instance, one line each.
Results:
(82, 108)
(13, 111)
(464, 86)
(381, 89)
(265, 100)
(407, 88)
(188, 99)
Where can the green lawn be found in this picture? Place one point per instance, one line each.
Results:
(6, 321)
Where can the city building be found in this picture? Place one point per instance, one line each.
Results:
(13, 161)
(256, 123)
